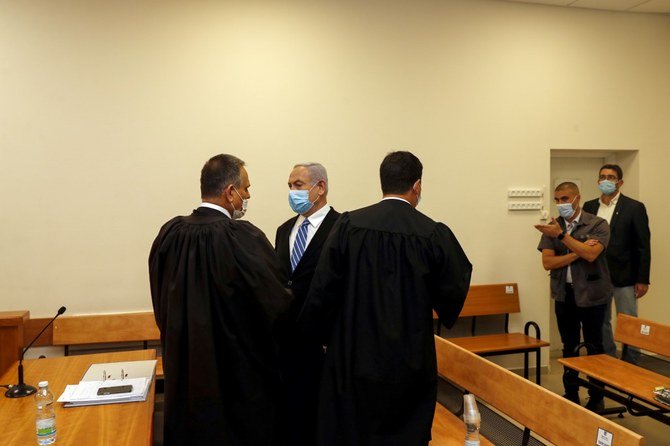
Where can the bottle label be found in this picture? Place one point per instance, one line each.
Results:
(46, 427)
(471, 442)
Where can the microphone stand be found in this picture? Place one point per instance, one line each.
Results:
(22, 389)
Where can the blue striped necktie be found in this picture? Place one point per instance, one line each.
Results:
(299, 245)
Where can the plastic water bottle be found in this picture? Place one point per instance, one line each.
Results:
(45, 419)
(472, 420)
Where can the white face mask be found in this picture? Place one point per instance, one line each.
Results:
(239, 213)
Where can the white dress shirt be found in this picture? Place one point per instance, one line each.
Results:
(568, 229)
(315, 221)
(215, 206)
(605, 211)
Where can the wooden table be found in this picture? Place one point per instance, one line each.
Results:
(110, 424)
(449, 430)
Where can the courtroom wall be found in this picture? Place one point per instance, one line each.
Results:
(109, 110)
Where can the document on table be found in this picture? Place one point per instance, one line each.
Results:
(86, 392)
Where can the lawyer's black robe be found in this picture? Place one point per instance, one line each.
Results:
(217, 291)
(382, 271)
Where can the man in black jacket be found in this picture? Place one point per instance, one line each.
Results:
(298, 245)
(629, 251)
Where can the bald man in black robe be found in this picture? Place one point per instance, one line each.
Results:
(217, 291)
(382, 271)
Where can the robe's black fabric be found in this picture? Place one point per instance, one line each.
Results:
(217, 291)
(382, 271)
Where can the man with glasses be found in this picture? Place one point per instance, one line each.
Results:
(629, 251)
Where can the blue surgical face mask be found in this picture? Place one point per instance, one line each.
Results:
(565, 210)
(299, 200)
(607, 187)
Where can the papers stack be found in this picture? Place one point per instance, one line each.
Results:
(137, 374)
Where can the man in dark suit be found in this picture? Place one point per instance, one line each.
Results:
(383, 270)
(298, 245)
(629, 250)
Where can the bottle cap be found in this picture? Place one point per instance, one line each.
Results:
(469, 404)
(43, 384)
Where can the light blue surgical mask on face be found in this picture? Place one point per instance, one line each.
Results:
(607, 187)
(565, 210)
(299, 200)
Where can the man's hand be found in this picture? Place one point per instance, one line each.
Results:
(591, 242)
(641, 289)
(552, 230)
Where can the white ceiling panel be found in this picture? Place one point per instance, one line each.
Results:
(654, 6)
(647, 6)
(612, 5)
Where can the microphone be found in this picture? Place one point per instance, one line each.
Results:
(22, 389)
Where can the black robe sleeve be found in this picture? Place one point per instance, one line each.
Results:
(451, 275)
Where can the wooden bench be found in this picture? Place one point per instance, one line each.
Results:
(499, 299)
(630, 385)
(106, 329)
(533, 408)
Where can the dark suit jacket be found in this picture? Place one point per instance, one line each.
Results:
(629, 250)
(300, 279)
(300, 357)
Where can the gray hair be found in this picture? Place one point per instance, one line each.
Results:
(316, 172)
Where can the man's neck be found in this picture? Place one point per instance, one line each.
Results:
(320, 203)
(407, 197)
(607, 199)
(575, 215)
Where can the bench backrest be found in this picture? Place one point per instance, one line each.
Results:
(484, 300)
(500, 298)
(643, 333)
(542, 411)
(105, 328)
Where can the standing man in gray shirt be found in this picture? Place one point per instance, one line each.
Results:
(572, 248)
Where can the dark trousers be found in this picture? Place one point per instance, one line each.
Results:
(572, 322)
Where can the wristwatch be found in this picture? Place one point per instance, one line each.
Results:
(561, 236)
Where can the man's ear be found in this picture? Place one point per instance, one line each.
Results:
(228, 193)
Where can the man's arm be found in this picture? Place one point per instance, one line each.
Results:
(552, 261)
(586, 251)
(642, 250)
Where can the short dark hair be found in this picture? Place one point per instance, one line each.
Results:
(399, 171)
(217, 173)
(614, 167)
(568, 185)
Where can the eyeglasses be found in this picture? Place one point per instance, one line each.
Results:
(608, 177)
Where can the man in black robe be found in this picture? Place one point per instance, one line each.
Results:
(383, 270)
(217, 290)
(298, 243)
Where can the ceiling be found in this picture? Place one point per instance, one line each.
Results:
(647, 6)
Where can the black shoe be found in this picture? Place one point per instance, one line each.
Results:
(574, 397)
(595, 405)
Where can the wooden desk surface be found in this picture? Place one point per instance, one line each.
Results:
(498, 342)
(449, 430)
(110, 424)
(621, 375)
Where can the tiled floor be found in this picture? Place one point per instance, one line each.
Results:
(655, 432)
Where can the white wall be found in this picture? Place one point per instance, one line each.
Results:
(109, 109)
